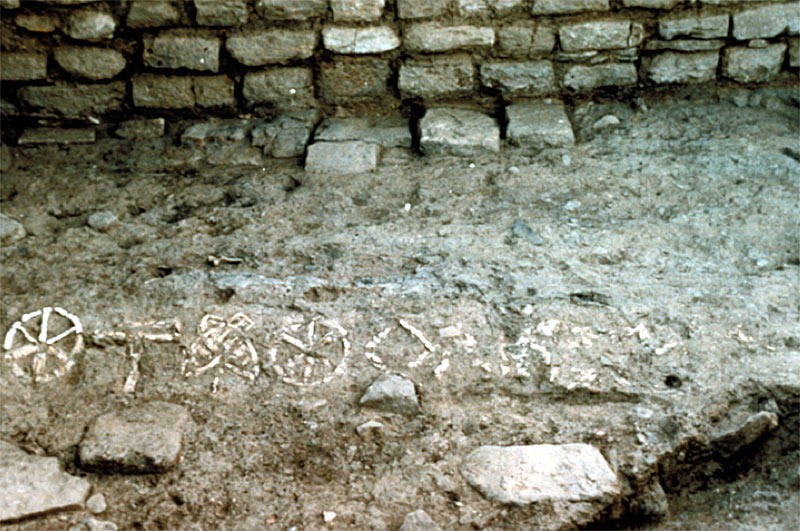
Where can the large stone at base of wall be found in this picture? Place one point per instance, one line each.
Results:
(753, 65)
(674, 67)
(342, 158)
(287, 135)
(381, 130)
(459, 132)
(529, 78)
(585, 78)
(539, 125)
(74, 101)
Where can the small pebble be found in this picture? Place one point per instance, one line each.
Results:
(102, 221)
(572, 205)
(96, 503)
(606, 122)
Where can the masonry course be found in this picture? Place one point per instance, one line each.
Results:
(104, 60)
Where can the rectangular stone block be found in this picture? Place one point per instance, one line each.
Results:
(437, 77)
(214, 91)
(37, 23)
(432, 37)
(685, 45)
(90, 25)
(651, 4)
(221, 12)
(271, 46)
(342, 158)
(376, 39)
(674, 67)
(162, 92)
(767, 21)
(90, 62)
(283, 88)
(74, 101)
(563, 7)
(753, 65)
(357, 10)
(177, 49)
(411, 9)
(794, 53)
(460, 132)
(586, 78)
(142, 128)
(286, 136)
(532, 78)
(696, 26)
(23, 66)
(385, 131)
(515, 40)
(291, 9)
(539, 125)
(595, 35)
(52, 135)
(346, 80)
(152, 14)
(485, 8)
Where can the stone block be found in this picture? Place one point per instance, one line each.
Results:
(223, 142)
(581, 78)
(574, 479)
(486, 8)
(595, 35)
(532, 78)
(214, 91)
(342, 158)
(152, 14)
(651, 4)
(376, 39)
(697, 26)
(90, 63)
(412, 9)
(767, 21)
(271, 46)
(460, 132)
(357, 10)
(162, 92)
(221, 12)
(437, 77)
(37, 23)
(794, 53)
(53, 135)
(673, 67)
(23, 66)
(32, 485)
(563, 7)
(177, 49)
(346, 80)
(432, 37)
(90, 25)
(685, 45)
(142, 128)
(291, 9)
(385, 131)
(286, 136)
(283, 88)
(9, 4)
(539, 125)
(515, 40)
(753, 65)
(74, 101)
(143, 439)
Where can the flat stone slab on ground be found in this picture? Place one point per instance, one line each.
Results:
(539, 125)
(460, 132)
(385, 131)
(140, 440)
(523, 475)
(52, 135)
(32, 485)
(342, 158)
(392, 393)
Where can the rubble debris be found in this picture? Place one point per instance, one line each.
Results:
(419, 521)
(31, 485)
(391, 393)
(144, 439)
(11, 230)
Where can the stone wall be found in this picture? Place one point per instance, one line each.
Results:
(104, 62)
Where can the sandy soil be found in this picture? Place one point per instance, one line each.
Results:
(647, 276)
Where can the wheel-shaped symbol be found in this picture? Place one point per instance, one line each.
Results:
(47, 353)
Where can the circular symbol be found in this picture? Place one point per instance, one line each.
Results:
(40, 347)
(308, 353)
(223, 344)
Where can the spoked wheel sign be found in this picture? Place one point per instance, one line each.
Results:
(42, 345)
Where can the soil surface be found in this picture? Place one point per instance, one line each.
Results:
(635, 292)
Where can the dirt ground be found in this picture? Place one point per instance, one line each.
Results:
(638, 292)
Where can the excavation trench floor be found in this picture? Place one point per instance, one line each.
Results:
(570, 295)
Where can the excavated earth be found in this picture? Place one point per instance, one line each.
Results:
(637, 292)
